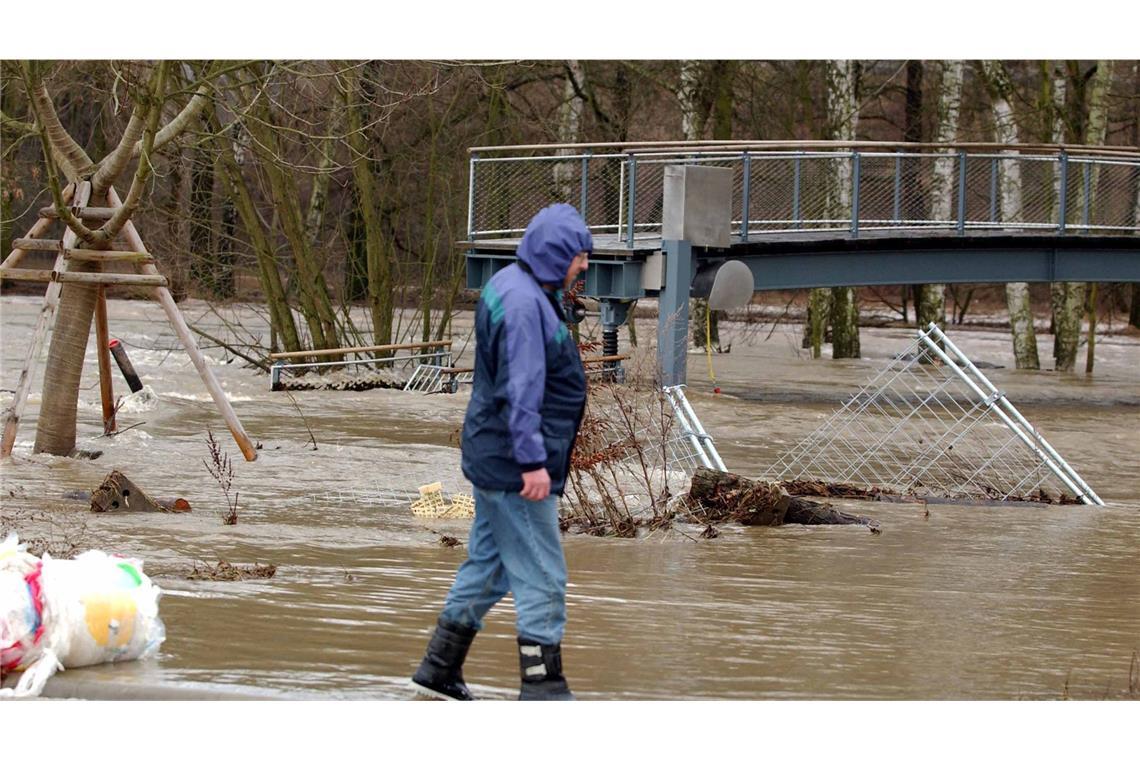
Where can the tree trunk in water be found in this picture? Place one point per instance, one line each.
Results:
(55, 428)
(378, 264)
(818, 316)
(1067, 299)
(930, 301)
(843, 110)
(280, 315)
(930, 305)
(1068, 303)
(722, 496)
(1134, 312)
(844, 324)
(1090, 355)
(1097, 131)
(1021, 325)
(1009, 182)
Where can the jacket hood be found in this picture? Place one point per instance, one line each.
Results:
(552, 239)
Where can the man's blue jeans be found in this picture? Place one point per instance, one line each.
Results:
(515, 546)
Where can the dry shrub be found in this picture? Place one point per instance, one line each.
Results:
(620, 481)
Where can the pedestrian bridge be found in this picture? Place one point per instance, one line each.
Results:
(816, 214)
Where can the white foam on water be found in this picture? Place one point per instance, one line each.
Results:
(145, 400)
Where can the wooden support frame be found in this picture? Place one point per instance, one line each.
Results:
(162, 295)
(41, 226)
(146, 274)
(103, 351)
(81, 196)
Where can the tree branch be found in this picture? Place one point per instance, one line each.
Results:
(58, 201)
(71, 158)
(106, 234)
(113, 165)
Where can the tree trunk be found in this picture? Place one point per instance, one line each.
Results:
(280, 315)
(569, 124)
(1009, 181)
(204, 266)
(1067, 299)
(818, 317)
(55, 428)
(931, 300)
(378, 263)
(843, 110)
(1098, 129)
(1090, 346)
(1134, 313)
(724, 496)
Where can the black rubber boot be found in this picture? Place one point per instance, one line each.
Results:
(540, 666)
(440, 674)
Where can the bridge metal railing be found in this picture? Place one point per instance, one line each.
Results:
(845, 188)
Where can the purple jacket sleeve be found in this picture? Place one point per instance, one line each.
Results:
(524, 363)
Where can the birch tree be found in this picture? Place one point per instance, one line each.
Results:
(1067, 299)
(1097, 130)
(930, 303)
(1001, 90)
(1134, 312)
(692, 95)
(843, 108)
(569, 125)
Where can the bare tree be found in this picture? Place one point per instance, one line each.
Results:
(843, 107)
(1001, 91)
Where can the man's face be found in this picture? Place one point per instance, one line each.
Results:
(577, 266)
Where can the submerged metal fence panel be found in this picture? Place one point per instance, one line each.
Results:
(932, 423)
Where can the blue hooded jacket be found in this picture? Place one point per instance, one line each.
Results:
(529, 387)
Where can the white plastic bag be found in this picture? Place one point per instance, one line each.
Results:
(93, 609)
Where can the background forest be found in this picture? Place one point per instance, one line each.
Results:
(313, 186)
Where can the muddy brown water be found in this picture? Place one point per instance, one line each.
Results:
(963, 603)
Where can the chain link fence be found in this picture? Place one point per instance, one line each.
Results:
(849, 191)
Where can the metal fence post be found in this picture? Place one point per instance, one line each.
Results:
(1063, 200)
(471, 198)
(898, 189)
(961, 192)
(855, 165)
(796, 192)
(1088, 195)
(994, 189)
(632, 197)
(585, 187)
(745, 197)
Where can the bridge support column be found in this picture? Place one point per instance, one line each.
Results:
(673, 312)
(614, 315)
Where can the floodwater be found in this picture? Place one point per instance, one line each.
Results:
(950, 602)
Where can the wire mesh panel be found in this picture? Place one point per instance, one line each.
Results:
(663, 434)
(416, 372)
(932, 423)
(787, 190)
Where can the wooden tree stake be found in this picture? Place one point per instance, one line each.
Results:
(103, 351)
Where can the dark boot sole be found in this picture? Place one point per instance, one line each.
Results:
(430, 693)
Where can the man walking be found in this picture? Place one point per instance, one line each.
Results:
(526, 404)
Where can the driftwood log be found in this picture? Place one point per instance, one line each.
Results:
(117, 493)
(725, 496)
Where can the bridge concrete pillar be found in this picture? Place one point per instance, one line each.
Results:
(673, 312)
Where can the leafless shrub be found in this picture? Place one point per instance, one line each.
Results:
(61, 536)
(620, 480)
(222, 470)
